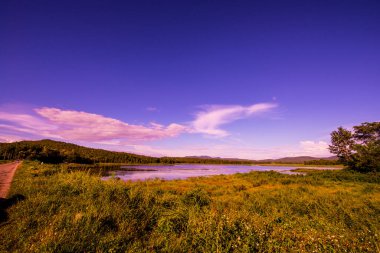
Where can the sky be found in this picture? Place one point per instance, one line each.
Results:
(241, 79)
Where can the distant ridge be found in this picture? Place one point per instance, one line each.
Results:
(298, 159)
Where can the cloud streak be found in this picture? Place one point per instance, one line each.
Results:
(82, 126)
(72, 125)
(209, 121)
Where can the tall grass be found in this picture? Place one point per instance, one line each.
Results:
(75, 211)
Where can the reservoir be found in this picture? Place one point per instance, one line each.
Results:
(183, 171)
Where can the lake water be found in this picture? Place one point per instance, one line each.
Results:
(182, 171)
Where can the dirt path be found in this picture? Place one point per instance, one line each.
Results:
(7, 172)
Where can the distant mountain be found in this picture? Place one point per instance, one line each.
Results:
(298, 159)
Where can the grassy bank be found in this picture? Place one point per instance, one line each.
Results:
(56, 211)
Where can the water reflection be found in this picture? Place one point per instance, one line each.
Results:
(182, 171)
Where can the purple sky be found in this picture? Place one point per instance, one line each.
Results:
(248, 79)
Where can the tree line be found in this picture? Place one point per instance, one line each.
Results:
(322, 162)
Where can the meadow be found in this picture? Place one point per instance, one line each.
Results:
(59, 210)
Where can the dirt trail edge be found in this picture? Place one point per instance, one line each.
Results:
(7, 172)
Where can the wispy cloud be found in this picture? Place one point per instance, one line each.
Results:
(82, 126)
(210, 120)
(75, 125)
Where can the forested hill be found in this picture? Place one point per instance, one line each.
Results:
(57, 152)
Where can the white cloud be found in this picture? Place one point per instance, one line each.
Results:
(82, 126)
(317, 148)
(210, 120)
(74, 125)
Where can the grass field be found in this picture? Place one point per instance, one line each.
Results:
(54, 210)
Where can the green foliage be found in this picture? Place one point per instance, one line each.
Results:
(74, 211)
(360, 149)
(342, 143)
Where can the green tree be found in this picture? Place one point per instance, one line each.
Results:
(341, 144)
(360, 149)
